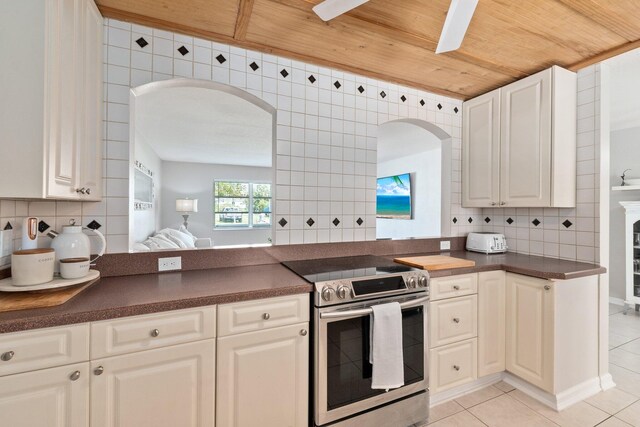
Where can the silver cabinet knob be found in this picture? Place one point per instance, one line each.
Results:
(493, 203)
(81, 190)
(547, 287)
(266, 316)
(154, 333)
(456, 287)
(303, 332)
(503, 203)
(7, 356)
(456, 320)
(74, 376)
(88, 190)
(456, 367)
(98, 371)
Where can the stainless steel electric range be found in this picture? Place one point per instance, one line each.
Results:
(344, 291)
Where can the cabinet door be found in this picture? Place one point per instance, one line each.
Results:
(530, 321)
(64, 84)
(91, 113)
(491, 322)
(263, 378)
(481, 151)
(167, 387)
(46, 398)
(525, 118)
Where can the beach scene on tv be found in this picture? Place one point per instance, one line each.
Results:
(393, 197)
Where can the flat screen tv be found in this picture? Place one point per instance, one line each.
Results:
(393, 197)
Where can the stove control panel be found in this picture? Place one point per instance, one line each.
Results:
(340, 291)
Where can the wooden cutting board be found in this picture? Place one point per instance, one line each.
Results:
(436, 262)
(39, 299)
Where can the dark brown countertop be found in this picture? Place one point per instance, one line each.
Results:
(114, 297)
(529, 265)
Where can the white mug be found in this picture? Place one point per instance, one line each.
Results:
(74, 268)
(32, 266)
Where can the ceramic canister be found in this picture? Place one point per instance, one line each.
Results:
(32, 266)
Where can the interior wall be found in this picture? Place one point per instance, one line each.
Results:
(195, 180)
(146, 222)
(625, 154)
(425, 169)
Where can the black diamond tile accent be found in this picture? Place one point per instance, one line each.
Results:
(383, 95)
(310, 222)
(336, 221)
(487, 220)
(142, 42)
(470, 220)
(455, 220)
(422, 102)
(567, 223)
(535, 222)
(403, 98)
(439, 106)
(455, 110)
(509, 221)
(360, 89)
(8, 226)
(254, 66)
(359, 221)
(337, 84)
(282, 222)
(94, 225)
(221, 59)
(183, 50)
(284, 73)
(43, 226)
(312, 79)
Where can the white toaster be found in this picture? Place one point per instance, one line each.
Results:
(488, 243)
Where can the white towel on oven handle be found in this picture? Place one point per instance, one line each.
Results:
(385, 346)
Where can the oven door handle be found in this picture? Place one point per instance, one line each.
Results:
(364, 311)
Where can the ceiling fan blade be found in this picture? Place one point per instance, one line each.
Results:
(456, 24)
(329, 9)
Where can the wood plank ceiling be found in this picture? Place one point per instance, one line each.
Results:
(395, 40)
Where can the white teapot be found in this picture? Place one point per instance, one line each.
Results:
(73, 243)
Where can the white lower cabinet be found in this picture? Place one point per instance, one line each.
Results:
(54, 397)
(453, 365)
(491, 322)
(263, 378)
(165, 387)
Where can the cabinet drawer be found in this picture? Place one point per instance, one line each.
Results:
(453, 320)
(453, 365)
(453, 286)
(262, 314)
(131, 334)
(43, 348)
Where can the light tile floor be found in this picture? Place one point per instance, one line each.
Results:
(500, 405)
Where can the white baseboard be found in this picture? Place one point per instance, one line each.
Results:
(606, 382)
(454, 393)
(616, 301)
(559, 401)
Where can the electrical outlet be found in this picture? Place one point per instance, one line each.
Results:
(173, 263)
(445, 245)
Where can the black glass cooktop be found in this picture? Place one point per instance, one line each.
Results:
(320, 270)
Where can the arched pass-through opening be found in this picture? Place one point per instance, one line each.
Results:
(414, 180)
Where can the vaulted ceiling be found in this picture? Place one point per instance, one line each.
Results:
(395, 40)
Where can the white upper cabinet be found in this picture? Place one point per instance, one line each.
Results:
(51, 86)
(519, 144)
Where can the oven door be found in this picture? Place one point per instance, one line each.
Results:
(342, 369)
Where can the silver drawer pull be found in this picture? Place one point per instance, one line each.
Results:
(7, 356)
(266, 316)
(547, 287)
(456, 367)
(456, 320)
(155, 333)
(74, 376)
(456, 287)
(303, 332)
(98, 371)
